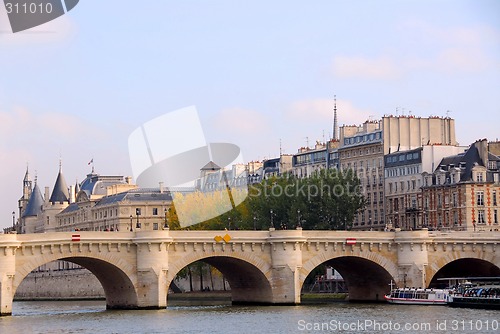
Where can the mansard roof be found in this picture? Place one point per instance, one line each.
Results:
(95, 184)
(35, 203)
(466, 161)
(136, 195)
(60, 193)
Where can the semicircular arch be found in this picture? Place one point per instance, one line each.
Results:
(116, 277)
(366, 277)
(248, 275)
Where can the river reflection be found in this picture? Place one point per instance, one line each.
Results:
(92, 317)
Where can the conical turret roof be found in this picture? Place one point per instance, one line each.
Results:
(35, 203)
(60, 193)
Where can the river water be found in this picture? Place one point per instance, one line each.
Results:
(92, 317)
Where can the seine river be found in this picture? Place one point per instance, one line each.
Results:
(91, 317)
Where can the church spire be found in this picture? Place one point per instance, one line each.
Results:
(335, 126)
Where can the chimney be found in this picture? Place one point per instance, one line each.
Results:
(46, 196)
(161, 187)
(71, 194)
(128, 179)
(482, 148)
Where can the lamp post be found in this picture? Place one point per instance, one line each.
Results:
(272, 223)
(298, 217)
(229, 223)
(165, 226)
(13, 221)
(131, 223)
(138, 213)
(254, 223)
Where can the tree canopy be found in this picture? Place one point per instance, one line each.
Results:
(327, 200)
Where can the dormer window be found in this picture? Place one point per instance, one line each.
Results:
(479, 177)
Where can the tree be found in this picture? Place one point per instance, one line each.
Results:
(327, 200)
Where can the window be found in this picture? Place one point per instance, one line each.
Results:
(155, 211)
(455, 218)
(454, 199)
(494, 195)
(155, 226)
(480, 217)
(479, 177)
(480, 198)
(495, 216)
(439, 200)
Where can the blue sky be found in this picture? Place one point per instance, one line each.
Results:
(257, 71)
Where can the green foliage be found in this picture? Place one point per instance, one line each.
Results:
(327, 200)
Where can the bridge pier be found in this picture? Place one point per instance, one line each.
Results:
(152, 267)
(286, 257)
(412, 258)
(7, 273)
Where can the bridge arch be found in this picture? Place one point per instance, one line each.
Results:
(367, 278)
(248, 276)
(463, 266)
(460, 264)
(116, 277)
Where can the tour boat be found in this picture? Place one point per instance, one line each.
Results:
(481, 296)
(412, 296)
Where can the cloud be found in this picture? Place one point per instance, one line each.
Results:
(240, 121)
(48, 126)
(359, 67)
(450, 51)
(321, 111)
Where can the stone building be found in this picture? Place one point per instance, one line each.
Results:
(362, 148)
(309, 160)
(462, 192)
(403, 181)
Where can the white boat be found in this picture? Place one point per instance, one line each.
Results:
(412, 296)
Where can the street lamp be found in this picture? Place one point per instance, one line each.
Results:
(229, 223)
(298, 217)
(13, 220)
(272, 223)
(254, 223)
(138, 213)
(131, 223)
(165, 226)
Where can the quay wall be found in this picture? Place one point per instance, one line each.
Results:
(60, 284)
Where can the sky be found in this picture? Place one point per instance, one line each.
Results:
(262, 74)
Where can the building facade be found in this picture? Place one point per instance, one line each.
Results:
(403, 181)
(462, 192)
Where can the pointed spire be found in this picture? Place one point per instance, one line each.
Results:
(60, 193)
(27, 175)
(35, 203)
(334, 133)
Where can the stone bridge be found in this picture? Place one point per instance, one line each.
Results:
(264, 267)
